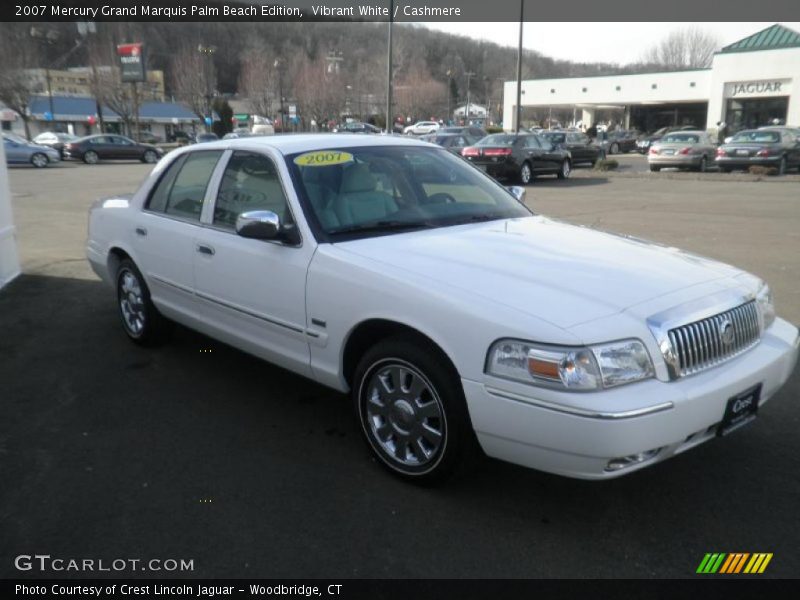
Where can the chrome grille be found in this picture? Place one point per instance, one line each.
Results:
(715, 339)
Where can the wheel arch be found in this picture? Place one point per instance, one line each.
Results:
(367, 333)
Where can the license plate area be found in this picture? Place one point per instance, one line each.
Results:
(742, 153)
(740, 410)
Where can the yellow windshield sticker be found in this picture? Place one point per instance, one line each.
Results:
(323, 158)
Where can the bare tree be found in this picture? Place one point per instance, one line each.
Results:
(193, 78)
(258, 78)
(690, 48)
(419, 95)
(320, 93)
(19, 52)
(107, 86)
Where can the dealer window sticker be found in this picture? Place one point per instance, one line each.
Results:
(323, 158)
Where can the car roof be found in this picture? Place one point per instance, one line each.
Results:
(306, 142)
(686, 131)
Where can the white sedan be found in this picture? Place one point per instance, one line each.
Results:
(394, 271)
(421, 128)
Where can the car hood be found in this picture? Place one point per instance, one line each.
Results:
(558, 272)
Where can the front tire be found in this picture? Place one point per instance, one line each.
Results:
(614, 149)
(525, 173)
(39, 160)
(411, 409)
(565, 170)
(703, 165)
(782, 166)
(90, 157)
(141, 321)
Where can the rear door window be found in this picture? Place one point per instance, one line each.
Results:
(181, 190)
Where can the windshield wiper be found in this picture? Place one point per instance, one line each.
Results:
(477, 219)
(387, 225)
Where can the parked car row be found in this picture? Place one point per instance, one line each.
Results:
(777, 147)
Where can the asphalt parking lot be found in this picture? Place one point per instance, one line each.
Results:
(197, 451)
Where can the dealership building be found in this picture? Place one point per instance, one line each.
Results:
(750, 83)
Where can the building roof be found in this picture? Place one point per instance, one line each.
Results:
(772, 38)
(75, 108)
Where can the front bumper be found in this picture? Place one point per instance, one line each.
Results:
(517, 423)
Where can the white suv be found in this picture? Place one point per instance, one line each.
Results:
(421, 128)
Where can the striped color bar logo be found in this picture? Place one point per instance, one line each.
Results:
(734, 563)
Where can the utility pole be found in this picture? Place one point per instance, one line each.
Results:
(469, 75)
(389, 69)
(278, 64)
(519, 65)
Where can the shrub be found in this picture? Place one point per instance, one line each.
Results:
(762, 170)
(491, 130)
(606, 164)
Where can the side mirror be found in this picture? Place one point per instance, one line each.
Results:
(518, 192)
(258, 225)
(728, 139)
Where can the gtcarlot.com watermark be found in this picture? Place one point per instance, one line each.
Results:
(45, 563)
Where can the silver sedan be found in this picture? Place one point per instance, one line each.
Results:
(683, 150)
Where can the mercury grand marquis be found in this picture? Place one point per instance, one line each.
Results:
(456, 318)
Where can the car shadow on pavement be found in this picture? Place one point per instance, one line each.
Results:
(571, 182)
(197, 450)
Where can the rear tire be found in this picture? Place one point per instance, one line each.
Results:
(90, 157)
(411, 410)
(141, 321)
(525, 173)
(782, 166)
(614, 149)
(654, 168)
(149, 157)
(703, 165)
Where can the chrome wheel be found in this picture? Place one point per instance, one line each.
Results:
(131, 303)
(403, 415)
(150, 157)
(39, 161)
(525, 173)
(90, 157)
(566, 169)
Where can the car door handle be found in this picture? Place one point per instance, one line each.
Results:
(203, 249)
(141, 231)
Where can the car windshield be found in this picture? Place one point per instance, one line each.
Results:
(680, 138)
(387, 189)
(761, 137)
(498, 139)
(555, 138)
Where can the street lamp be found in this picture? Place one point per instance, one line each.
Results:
(208, 54)
(278, 64)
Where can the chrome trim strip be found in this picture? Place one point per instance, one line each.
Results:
(579, 412)
(177, 286)
(258, 316)
(249, 313)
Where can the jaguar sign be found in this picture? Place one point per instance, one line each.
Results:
(779, 87)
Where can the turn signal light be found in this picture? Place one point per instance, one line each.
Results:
(764, 152)
(470, 151)
(721, 152)
(653, 151)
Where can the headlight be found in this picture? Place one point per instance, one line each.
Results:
(766, 308)
(570, 368)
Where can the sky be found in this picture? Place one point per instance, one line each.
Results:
(620, 43)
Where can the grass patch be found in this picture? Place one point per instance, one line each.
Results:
(606, 164)
(762, 170)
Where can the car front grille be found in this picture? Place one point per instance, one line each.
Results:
(710, 341)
